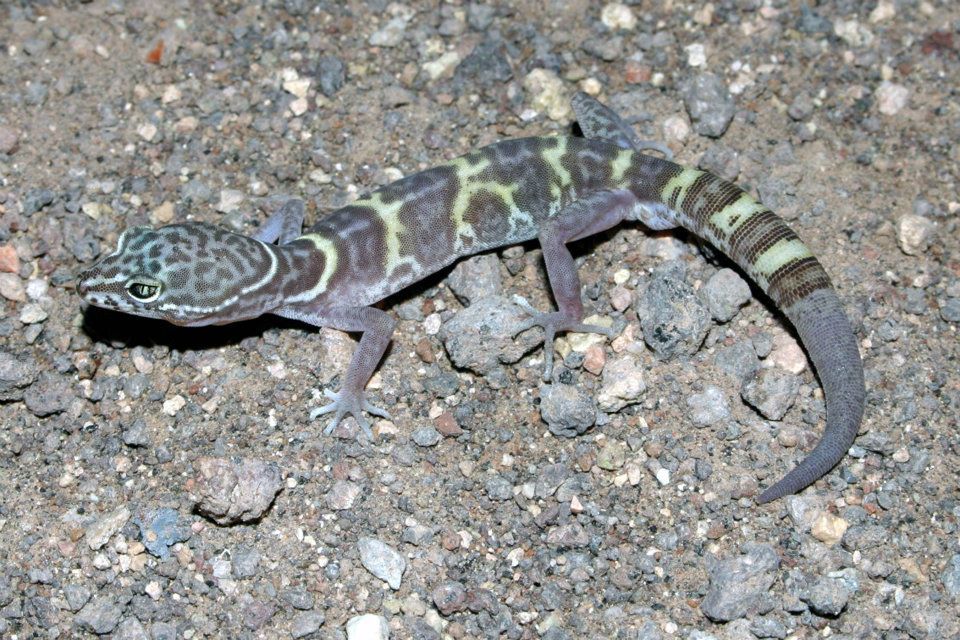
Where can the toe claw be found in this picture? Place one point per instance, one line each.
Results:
(348, 404)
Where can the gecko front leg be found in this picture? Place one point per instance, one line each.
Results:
(376, 327)
(284, 224)
(591, 214)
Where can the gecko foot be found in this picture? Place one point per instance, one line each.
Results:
(552, 323)
(353, 404)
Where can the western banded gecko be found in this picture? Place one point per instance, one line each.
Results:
(555, 189)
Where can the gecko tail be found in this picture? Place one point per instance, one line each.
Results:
(826, 334)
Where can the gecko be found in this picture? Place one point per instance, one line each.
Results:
(556, 189)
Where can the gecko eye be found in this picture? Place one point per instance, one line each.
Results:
(144, 290)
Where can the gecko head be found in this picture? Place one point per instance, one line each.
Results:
(183, 273)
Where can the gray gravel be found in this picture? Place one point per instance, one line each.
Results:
(167, 483)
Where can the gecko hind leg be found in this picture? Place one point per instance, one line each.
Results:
(591, 214)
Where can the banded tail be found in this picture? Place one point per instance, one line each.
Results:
(782, 265)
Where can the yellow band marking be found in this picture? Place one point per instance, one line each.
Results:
(731, 217)
(778, 255)
(683, 181)
(330, 259)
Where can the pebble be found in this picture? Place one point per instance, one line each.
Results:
(49, 395)
(673, 318)
(426, 437)
(548, 94)
(725, 292)
(9, 139)
(162, 528)
(368, 627)
(618, 16)
(612, 456)
(891, 98)
(331, 75)
(16, 373)
(32, 313)
(450, 597)
(391, 34)
(738, 360)
(76, 595)
(480, 337)
(476, 278)
(709, 104)
(622, 384)
(951, 577)
(721, 161)
(9, 261)
(162, 214)
(101, 615)
(950, 309)
(382, 560)
(568, 536)
(568, 410)
(771, 392)
(787, 354)
(827, 597)
(11, 287)
(828, 528)
(709, 407)
(306, 623)
(740, 586)
(343, 495)
(675, 129)
(914, 234)
(235, 490)
(230, 200)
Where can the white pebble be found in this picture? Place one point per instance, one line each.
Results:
(618, 16)
(676, 129)
(891, 98)
(696, 54)
(663, 476)
(914, 234)
(367, 627)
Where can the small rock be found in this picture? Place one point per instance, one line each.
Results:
(787, 354)
(16, 373)
(32, 313)
(129, 629)
(450, 597)
(568, 410)
(101, 615)
(234, 491)
(740, 586)
(50, 394)
(426, 436)
(673, 318)
(9, 139)
(100, 532)
(828, 528)
(306, 623)
(11, 287)
(9, 261)
(722, 161)
(230, 200)
(498, 488)
(476, 278)
(951, 577)
(331, 74)
(343, 495)
(725, 292)
(709, 407)
(368, 627)
(244, 562)
(771, 392)
(612, 456)
(480, 337)
(76, 595)
(914, 234)
(623, 383)
(891, 98)
(568, 536)
(827, 597)
(391, 34)
(739, 360)
(382, 560)
(675, 129)
(548, 94)
(618, 16)
(160, 529)
(949, 311)
(162, 214)
(709, 103)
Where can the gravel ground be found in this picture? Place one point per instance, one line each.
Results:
(168, 483)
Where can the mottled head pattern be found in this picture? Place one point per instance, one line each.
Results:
(188, 274)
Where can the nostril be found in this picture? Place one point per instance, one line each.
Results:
(82, 287)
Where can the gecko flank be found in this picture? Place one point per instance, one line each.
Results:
(555, 189)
